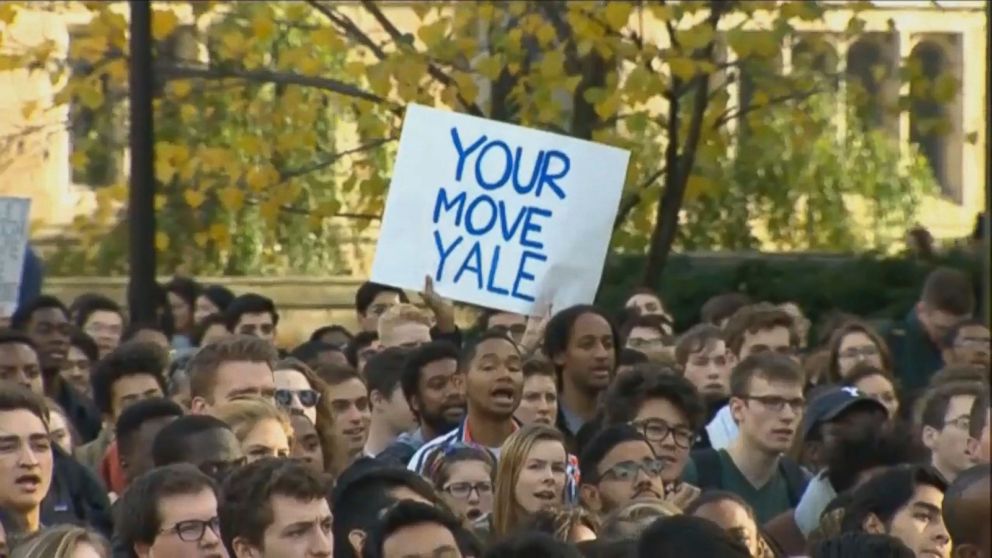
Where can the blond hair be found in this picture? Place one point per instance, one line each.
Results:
(59, 542)
(243, 415)
(399, 314)
(507, 514)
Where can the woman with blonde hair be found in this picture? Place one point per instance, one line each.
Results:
(262, 429)
(530, 477)
(291, 375)
(62, 541)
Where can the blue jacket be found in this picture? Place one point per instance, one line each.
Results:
(32, 276)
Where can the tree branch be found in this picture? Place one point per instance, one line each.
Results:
(630, 202)
(349, 27)
(306, 169)
(432, 69)
(281, 78)
(737, 112)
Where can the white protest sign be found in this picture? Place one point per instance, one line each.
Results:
(499, 215)
(13, 239)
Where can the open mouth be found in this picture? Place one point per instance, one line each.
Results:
(502, 395)
(547, 496)
(666, 460)
(29, 483)
(647, 494)
(473, 514)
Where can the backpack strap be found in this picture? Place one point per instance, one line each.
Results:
(709, 470)
(796, 479)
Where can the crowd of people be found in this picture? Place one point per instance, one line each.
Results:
(579, 433)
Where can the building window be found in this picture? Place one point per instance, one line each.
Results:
(934, 120)
(869, 81)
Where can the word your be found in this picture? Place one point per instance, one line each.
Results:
(485, 227)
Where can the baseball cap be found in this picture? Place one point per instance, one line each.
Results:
(830, 403)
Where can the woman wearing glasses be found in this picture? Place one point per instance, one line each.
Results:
(261, 428)
(531, 476)
(854, 343)
(463, 475)
(300, 392)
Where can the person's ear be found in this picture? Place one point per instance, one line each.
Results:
(244, 549)
(736, 405)
(142, 550)
(375, 398)
(589, 496)
(198, 406)
(873, 525)
(356, 538)
(415, 406)
(929, 437)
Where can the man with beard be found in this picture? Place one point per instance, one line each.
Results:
(434, 388)
(46, 321)
(617, 467)
(705, 361)
(492, 370)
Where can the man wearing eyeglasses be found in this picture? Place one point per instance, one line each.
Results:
(766, 401)
(967, 344)
(946, 420)
(617, 467)
(171, 512)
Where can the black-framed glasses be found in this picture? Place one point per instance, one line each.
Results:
(656, 430)
(462, 490)
(777, 404)
(308, 397)
(192, 530)
(626, 471)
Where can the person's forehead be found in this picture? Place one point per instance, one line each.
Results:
(765, 334)
(18, 351)
(710, 347)
(726, 510)
(386, 297)
(441, 367)
(642, 298)
(631, 450)
(350, 389)
(180, 507)
(104, 317)
(243, 372)
(287, 509)
(537, 382)
(49, 315)
(591, 324)
(21, 423)
(974, 331)
(289, 378)
(499, 348)
(924, 494)
(662, 408)
(760, 385)
(960, 404)
(256, 317)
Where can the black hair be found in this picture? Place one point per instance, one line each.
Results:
(608, 548)
(384, 370)
(132, 418)
(95, 303)
(363, 490)
(130, 359)
(169, 445)
(249, 303)
(886, 493)
(531, 543)
(139, 520)
(185, 288)
(328, 329)
(133, 328)
(708, 497)
(632, 388)
(470, 348)
(309, 351)
(682, 535)
(722, 307)
(368, 291)
(601, 445)
(220, 296)
(961, 523)
(82, 341)
(559, 330)
(406, 514)
(361, 340)
(25, 312)
(421, 357)
(861, 545)
(14, 397)
(200, 329)
(885, 447)
(949, 290)
(15, 337)
(631, 357)
(245, 510)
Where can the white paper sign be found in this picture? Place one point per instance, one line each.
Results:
(499, 215)
(13, 239)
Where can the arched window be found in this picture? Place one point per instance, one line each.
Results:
(868, 67)
(929, 125)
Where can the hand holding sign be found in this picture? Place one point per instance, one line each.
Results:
(498, 215)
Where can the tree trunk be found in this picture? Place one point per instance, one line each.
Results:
(141, 199)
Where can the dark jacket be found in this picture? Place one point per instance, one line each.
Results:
(32, 277)
(76, 496)
(914, 355)
(82, 413)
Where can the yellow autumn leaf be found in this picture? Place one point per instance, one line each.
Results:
(160, 202)
(79, 160)
(181, 88)
(201, 239)
(231, 198)
(220, 234)
(682, 67)
(90, 95)
(432, 34)
(257, 179)
(28, 109)
(354, 69)
(545, 34)
(117, 71)
(234, 42)
(308, 65)
(608, 106)
(661, 12)
(695, 37)
(327, 38)
(194, 198)
(697, 186)
(164, 172)
(161, 241)
(262, 26)
(489, 66)
(618, 13)
(8, 12)
(269, 210)
(164, 22)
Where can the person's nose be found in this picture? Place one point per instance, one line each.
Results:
(27, 458)
(473, 497)
(210, 538)
(322, 545)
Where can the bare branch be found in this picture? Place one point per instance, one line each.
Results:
(630, 202)
(306, 169)
(738, 112)
(281, 78)
(344, 23)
